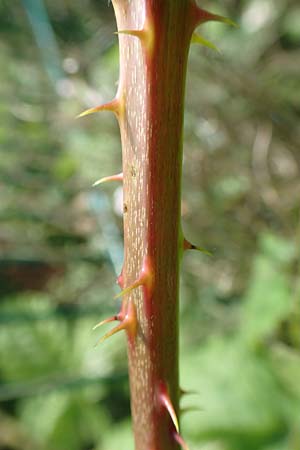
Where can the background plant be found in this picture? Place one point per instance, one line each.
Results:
(240, 339)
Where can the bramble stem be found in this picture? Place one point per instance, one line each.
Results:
(154, 42)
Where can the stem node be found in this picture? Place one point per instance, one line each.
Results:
(145, 279)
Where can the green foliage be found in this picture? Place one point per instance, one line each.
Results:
(246, 379)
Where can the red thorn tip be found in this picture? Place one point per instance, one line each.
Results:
(178, 438)
(112, 106)
(167, 404)
(145, 279)
(202, 16)
(117, 177)
(189, 246)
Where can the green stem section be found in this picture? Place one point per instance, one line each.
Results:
(151, 95)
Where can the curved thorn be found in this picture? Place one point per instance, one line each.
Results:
(120, 327)
(112, 106)
(189, 246)
(130, 288)
(226, 20)
(128, 323)
(103, 322)
(117, 177)
(178, 438)
(202, 16)
(197, 39)
(166, 402)
(217, 18)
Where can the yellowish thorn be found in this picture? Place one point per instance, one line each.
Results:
(110, 333)
(168, 405)
(103, 322)
(138, 33)
(226, 20)
(197, 39)
(129, 288)
(112, 106)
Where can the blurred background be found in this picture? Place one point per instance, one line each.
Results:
(61, 240)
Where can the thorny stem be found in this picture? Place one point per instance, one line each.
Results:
(152, 80)
(154, 38)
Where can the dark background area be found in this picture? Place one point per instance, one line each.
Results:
(61, 240)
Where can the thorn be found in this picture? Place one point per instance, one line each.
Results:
(145, 279)
(130, 288)
(189, 246)
(197, 39)
(137, 33)
(165, 400)
(145, 35)
(202, 16)
(178, 438)
(110, 333)
(117, 177)
(183, 392)
(167, 403)
(190, 409)
(128, 322)
(103, 322)
(112, 106)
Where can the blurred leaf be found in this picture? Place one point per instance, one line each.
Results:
(290, 25)
(117, 438)
(286, 363)
(238, 395)
(268, 300)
